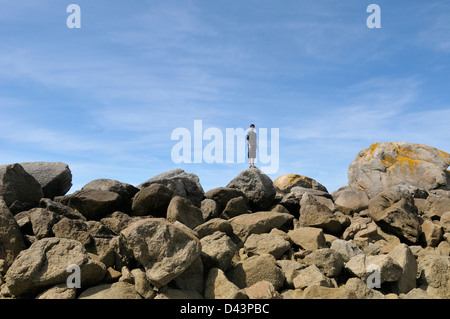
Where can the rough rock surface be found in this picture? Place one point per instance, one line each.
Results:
(11, 242)
(92, 204)
(219, 287)
(182, 184)
(54, 178)
(182, 210)
(167, 251)
(384, 165)
(45, 264)
(217, 251)
(308, 238)
(177, 242)
(284, 183)
(152, 200)
(257, 186)
(394, 211)
(118, 290)
(350, 201)
(257, 223)
(18, 185)
(255, 269)
(273, 244)
(315, 214)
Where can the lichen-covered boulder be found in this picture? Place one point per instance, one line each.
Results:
(383, 165)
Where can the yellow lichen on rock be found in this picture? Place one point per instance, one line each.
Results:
(370, 151)
(383, 165)
(284, 183)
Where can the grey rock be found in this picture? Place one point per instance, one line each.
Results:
(394, 211)
(92, 204)
(152, 200)
(434, 276)
(118, 290)
(73, 229)
(347, 249)
(222, 195)
(405, 258)
(273, 244)
(11, 242)
(292, 199)
(309, 238)
(45, 264)
(432, 233)
(311, 276)
(42, 221)
(60, 291)
(258, 223)
(182, 184)
(361, 227)
(17, 185)
(117, 221)
(219, 287)
(182, 210)
(235, 207)
(329, 261)
(351, 201)
(315, 214)
(217, 251)
(60, 209)
(384, 165)
(436, 205)
(209, 209)
(255, 269)
(256, 186)
(214, 225)
(126, 191)
(167, 251)
(141, 284)
(192, 277)
(54, 178)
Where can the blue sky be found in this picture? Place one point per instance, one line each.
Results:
(105, 98)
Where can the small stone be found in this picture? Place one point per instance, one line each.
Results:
(308, 238)
(262, 290)
(311, 276)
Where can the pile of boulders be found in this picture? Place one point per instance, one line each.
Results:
(386, 235)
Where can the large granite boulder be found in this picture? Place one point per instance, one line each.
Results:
(284, 183)
(257, 186)
(383, 165)
(54, 178)
(182, 184)
(166, 252)
(46, 264)
(18, 185)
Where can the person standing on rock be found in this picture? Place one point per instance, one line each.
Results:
(252, 145)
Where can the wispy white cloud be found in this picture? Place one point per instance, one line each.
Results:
(437, 26)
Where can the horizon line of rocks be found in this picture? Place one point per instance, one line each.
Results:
(253, 238)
